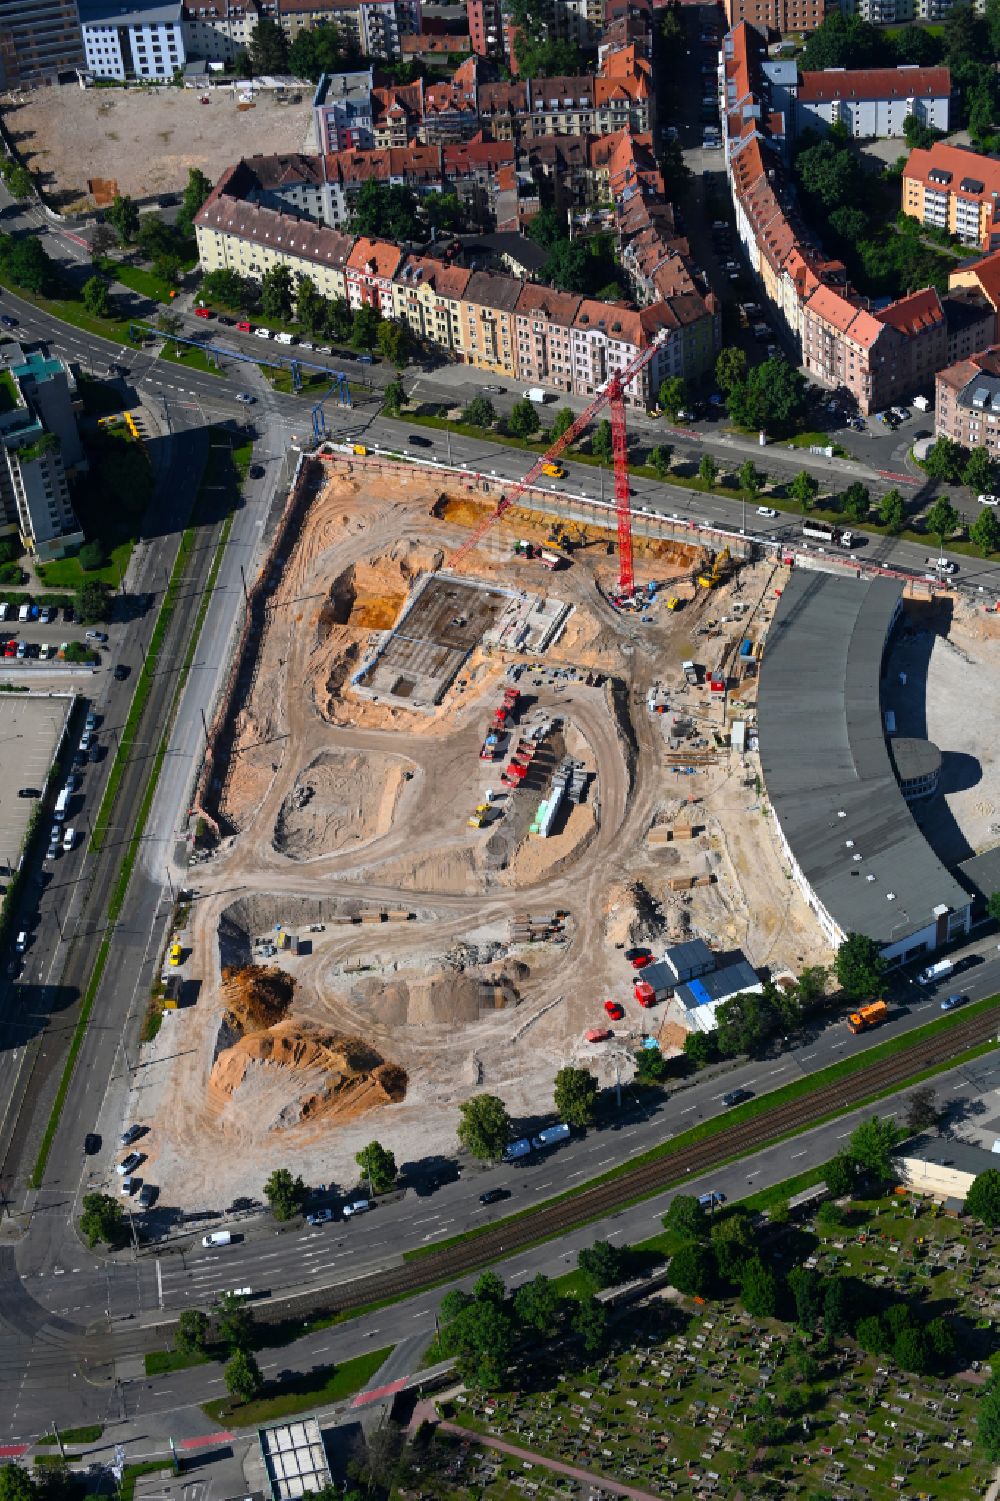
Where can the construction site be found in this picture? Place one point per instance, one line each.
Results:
(450, 792)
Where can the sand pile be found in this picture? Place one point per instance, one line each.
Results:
(292, 1073)
(340, 799)
(445, 996)
(255, 996)
(632, 915)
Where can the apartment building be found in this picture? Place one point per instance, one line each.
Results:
(955, 189)
(779, 15)
(220, 30)
(342, 111)
(967, 401)
(487, 313)
(486, 27)
(873, 101)
(145, 43)
(238, 235)
(427, 296)
(40, 445)
(368, 274)
(543, 320)
(39, 39)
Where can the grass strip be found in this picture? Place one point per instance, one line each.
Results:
(751, 1110)
(89, 1434)
(131, 1473)
(316, 1388)
(191, 355)
(163, 1362)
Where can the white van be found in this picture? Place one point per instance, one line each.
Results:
(284, 338)
(24, 613)
(360, 1206)
(62, 803)
(4, 610)
(217, 1238)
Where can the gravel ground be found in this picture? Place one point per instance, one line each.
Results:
(147, 139)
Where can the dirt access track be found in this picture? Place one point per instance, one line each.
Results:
(145, 139)
(435, 958)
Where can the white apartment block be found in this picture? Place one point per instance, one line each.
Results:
(146, 43)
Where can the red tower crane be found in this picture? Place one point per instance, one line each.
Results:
(612, 396)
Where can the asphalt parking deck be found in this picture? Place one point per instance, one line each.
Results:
(30, 732)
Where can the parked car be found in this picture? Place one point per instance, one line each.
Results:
(148, 1195)
(129, 1185)
(358, 1206)
(120, 673)
(21, 942)
(128, 1164)
(614, 1010)
(92, 1143)
(98, 636)
(256, 471)
(28, 792)
(951, 1001)
(129, 1135)
(989, 500)
(319, 1217)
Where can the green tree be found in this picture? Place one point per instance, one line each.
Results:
(603, 1264)
(484, 1127)
(242, 1376)
(859, 966)
(310, 305)
(168, 322)
(692, 1269)
(443, 212)
(804, 488)
(872, 1145)
(481, 1337)
(772, 396)
(92, 602)
(276, 290)
(758, 1289)
(810, 988)
(602, 442)
(673, 395)
(910, 1350)
(320, 49)
(25, 262)
(20, 183)
(873, 1336)
(386, 211)
(191, 1334)
(234, 1325)
(701, 1048)
(364, 328)
(841, 1175)
(268, 48)
(984, 533)
(285, 1194)
(16, 1484)
(659, 458)
(892, 511)
(104, 240)
(744, 1022)
(982, 1201)
(562, 421)
(686, 1216)
(523, 419)
(575, 1095)
(651, 1067)
(751, 480)
(378, 1165)
(946, 460)
(987, 1421)
(195, 193)
(480, 412)
(394, 341)
(856, 502)
(730, 368)
(708, 469)
(993, 900)
(829, 176)
(733, 1242)
(489, 1288)
(97, 296)
(225, 287)
(942, 519)
(838, 1307)
(536, 1306)
(123, 216)
(103, 1219)
(807, 1289)
(590, 1324)
(393, 398)
(980, 472)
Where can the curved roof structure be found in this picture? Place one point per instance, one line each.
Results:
(826, 764)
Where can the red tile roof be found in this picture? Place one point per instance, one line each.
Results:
(374, 257)
(874, 83)
(914, 314)
(959, 166)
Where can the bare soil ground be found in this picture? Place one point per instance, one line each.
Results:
(145, 139)
(343, 806)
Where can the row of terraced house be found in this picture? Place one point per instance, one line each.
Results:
(880, 354)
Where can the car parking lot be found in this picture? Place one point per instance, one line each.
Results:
(30, 732)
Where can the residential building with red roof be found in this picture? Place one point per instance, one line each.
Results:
(487, 313)
(953, 188)
(427, 295)
(967, 401)
(543, 321)
(873, 101)
(779, 15)
(368, 274)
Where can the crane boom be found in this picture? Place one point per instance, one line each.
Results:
(613, 394)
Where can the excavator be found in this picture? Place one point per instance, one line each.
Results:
(715, 570)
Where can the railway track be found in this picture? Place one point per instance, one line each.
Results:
(649, 1177)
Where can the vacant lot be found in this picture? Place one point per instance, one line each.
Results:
(146, 139)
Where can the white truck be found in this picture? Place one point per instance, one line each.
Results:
(535, 394)
(936, 972)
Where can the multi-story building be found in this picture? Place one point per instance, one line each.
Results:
(369, 271)
(40, 444)
(39, 39)
(488, 322)
(342, 111)
(486, 28)
(427, 296)
(220, 30)
(967, 401)
(543, 320)
(779, 15)
(873, 101)
(954, 188)
(144, 43)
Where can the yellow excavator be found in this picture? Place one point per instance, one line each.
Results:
(715, 570)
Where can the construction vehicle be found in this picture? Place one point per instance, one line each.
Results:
(554, 471)
(673, 603)
(867, 1017)
(490, 747)
(613, 397)
(716, 569)
(524, 549)
(690, 672)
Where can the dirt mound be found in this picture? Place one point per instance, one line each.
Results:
(447, 997)
(290, 1073)
(633, 915)
(370, 594)
(340, 799)
(255, 997)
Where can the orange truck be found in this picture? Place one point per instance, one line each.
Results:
(868, 1016)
